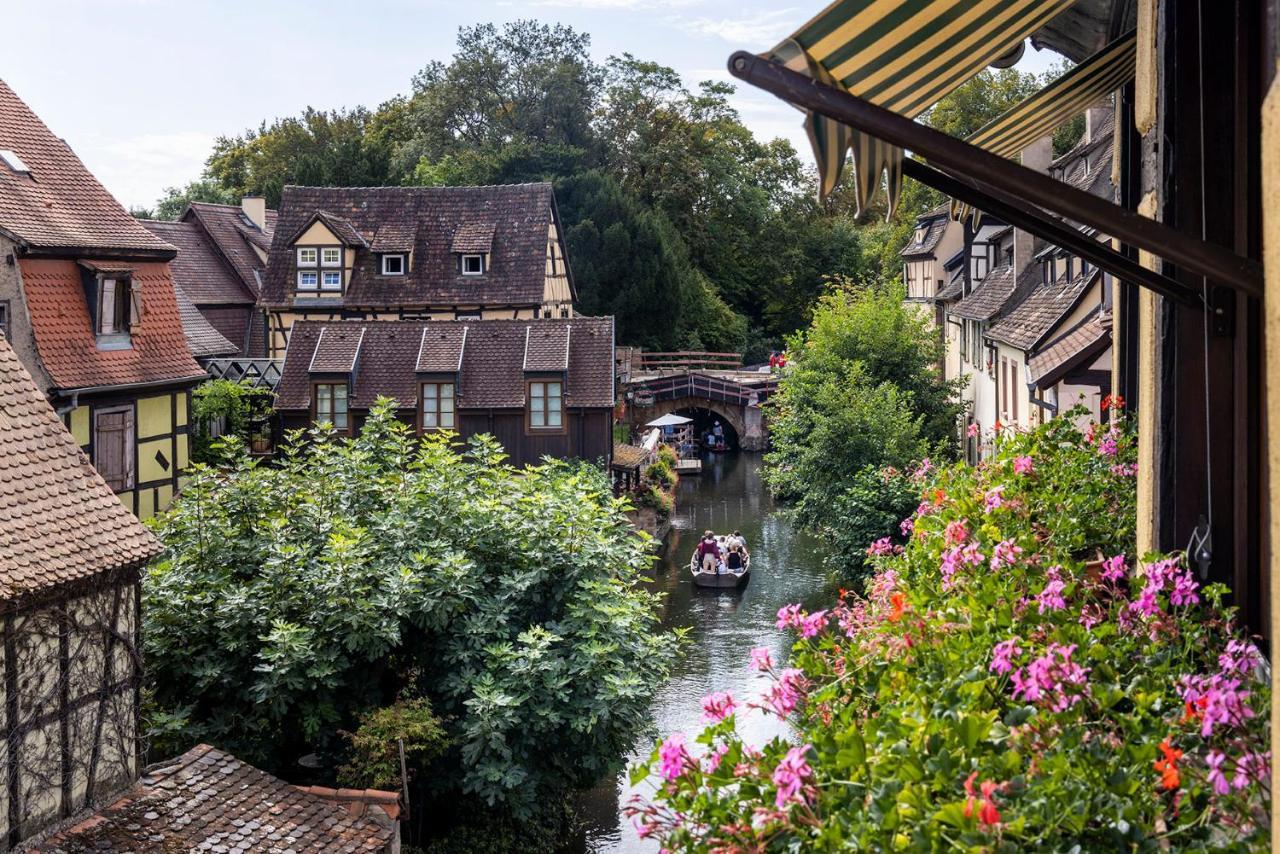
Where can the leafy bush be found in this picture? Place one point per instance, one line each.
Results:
(374, 761)
(872, 507)
(236, 407)
(667, 454)
(661, 472)
(656, 497)
(997, 688)
(292, 599)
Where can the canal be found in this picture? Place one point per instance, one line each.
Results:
(725, 625)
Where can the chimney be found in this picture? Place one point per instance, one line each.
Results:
(255, 208)
(1038, 155)
(1093, 119)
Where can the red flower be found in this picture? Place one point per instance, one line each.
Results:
(1112, 401)
(1168, 766)
(987, 812)
(899, 602)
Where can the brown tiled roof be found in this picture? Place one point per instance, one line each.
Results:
(337, 350)
(935, 226)
(202, 339)
(64, 332)
(59, 521)
(202, 272)
(952, 289)
(394, 237)
(59, 205)
(207, 800)
(492, 373)
(233, 234)
(1086, 340)
(441, 347)
(988, 297)
(516, 272)
(474, 237)
(1026, 324)
(546, 348)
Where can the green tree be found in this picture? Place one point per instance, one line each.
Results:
(291, 599)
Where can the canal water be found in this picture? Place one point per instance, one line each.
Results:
(785, 567)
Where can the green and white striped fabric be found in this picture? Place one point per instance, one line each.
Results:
(902, 55)
(1069, 95)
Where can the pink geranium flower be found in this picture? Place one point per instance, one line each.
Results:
(673, 757)
(789, 616)
(1002, 655)
(882, 546)
(784, 694)
(761, 659)
(717, 706)
(973, 430)
(792, 773)
(956, 533)
(1050, 598)
(994, 499)
(1023, 465)
(813, 624)
(1005, 554)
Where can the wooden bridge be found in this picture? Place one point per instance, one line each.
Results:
(687, 384)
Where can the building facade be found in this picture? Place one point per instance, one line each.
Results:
(541, 387)
(415, 253)
(88, 304)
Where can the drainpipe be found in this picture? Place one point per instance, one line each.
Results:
(74, 403)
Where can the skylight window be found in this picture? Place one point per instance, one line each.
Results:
(13, 161)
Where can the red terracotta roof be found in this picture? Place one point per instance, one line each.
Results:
(64, 332)
(59, 521)
(59, 204)
(518, 215)
(207, 800)
(492, 374)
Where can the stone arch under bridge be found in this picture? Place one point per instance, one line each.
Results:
(738, 408)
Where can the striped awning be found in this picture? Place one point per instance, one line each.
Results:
(1069, 95)
(902, 55)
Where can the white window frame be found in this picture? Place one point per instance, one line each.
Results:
(315, 280)
(303, 255)
(479, 258)
(324, 280)
(444, 408)
(399, 257)
(324, 256)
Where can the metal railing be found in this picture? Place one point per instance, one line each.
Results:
(259, 373)
(705, 387)
(688, 360)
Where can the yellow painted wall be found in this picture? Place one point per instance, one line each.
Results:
(148, 468)
(155, 416)
(146, 503)
(80, 425)
(183, 451)
(1147, 368)
(1271, 386)
(182, 409)
(317, 235)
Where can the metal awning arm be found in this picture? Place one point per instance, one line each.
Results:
(1027, 217)
(1012, 180)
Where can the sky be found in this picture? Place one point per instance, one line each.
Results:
(141, 88)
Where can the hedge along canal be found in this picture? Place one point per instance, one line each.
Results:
(786, 566)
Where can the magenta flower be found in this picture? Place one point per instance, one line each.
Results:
(791, 774)
(1219, 699)
(715, 757)
(922, 470)
(994, 499)
(1002, 655)
(973, 430)
(1108, 446)
(957, 532)
(1219, 780)
(813, 624)
(882, 546)
(1005, 554)
(789, 616)
(1053, 679)
(1113, 568)
(1250, 767)
(1239, 657)
(1050, 598)
(784, 694)
(673, 756)
(717, 706)
(1023, 465)
(761, 659)
(1184, 589)
(906, 526)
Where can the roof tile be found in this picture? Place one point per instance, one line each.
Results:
(1030, 320)
(59, 520)
(988, 297)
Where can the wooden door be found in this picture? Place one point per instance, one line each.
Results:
(113, 446)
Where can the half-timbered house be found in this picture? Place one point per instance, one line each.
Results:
(88, 303)
(541, 387)
(423, 253)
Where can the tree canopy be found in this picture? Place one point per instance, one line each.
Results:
(293, 599)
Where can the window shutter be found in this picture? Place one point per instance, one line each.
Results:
(135, 303)
(113, 448)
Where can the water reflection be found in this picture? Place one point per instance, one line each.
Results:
(785, 567)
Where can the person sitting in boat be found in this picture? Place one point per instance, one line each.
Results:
(733, 561)
(740, 541)
(708, 552)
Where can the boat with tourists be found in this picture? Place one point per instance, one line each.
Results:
(721, 561)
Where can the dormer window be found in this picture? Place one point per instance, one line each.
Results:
(331, 281)
(307, 256)
(473, 265)
(13, 161)
(393, 265)
(312, 272)
(115, 306)
(308, 280)
(331, 256)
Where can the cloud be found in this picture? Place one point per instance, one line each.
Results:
(137, 169)
(759, 28)
(631, 5)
